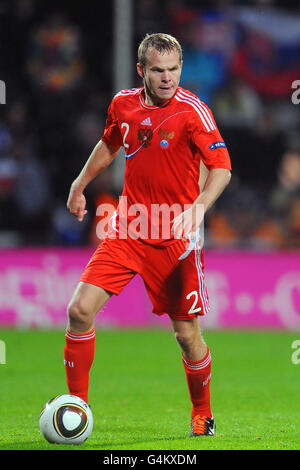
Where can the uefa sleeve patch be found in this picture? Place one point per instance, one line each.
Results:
(217, 145)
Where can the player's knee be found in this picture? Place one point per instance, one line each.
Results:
(78, 317)
(185, 339)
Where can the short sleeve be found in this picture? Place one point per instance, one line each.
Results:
(207, 139)
(112, 135)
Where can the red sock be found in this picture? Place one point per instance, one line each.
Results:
(78, 358)
(198, 379)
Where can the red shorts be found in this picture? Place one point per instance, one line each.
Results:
(175, 287)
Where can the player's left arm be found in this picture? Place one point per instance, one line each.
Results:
(215, 175)
(190, 220)
(216, 181)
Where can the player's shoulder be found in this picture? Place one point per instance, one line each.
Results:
(186, 96)
(124, 98)
(126, 94)
(198, 108)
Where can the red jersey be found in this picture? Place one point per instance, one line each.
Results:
(164, 145)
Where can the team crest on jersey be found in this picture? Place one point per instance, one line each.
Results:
(165, 137)
(145, 136)
(164, 144)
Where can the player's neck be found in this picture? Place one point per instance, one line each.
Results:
(151, 100)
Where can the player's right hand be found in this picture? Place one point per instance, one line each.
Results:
(76, 204)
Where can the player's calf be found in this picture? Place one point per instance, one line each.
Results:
(189, 338)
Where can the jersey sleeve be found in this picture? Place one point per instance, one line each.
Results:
(208, 141)
(112, 135)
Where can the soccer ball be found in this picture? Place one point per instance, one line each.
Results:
(66, 419)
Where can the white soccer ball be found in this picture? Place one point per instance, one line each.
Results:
(66, 419)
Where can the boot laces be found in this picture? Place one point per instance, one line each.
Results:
(199, 424)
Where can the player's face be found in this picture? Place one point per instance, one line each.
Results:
(161, 75)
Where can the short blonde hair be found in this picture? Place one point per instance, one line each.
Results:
(161, 42)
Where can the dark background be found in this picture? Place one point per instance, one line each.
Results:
(57, 63)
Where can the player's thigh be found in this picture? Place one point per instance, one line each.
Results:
(86, 301)
(176, 286)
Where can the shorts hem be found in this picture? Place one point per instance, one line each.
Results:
(174, 316)
(102, 286)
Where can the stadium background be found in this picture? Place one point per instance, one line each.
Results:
(61, 65)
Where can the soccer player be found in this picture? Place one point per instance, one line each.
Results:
(168, 134)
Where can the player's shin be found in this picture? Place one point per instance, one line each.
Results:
(198, 375)
(78, 358)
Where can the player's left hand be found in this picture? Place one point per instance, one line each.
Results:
(185, 225)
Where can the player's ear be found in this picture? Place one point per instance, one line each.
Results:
(140, 70)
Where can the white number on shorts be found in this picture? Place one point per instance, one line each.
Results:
(193, 309)
(124, 124)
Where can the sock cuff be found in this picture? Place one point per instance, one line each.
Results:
(81, 336)
(197, 365)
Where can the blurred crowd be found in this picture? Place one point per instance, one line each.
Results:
(57, 65)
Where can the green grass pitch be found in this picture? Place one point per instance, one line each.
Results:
(139, 396)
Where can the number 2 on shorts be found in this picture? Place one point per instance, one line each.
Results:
(193, 308)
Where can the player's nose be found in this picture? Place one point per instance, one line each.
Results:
(165, 76)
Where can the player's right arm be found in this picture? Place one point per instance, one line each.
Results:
(101, 156)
